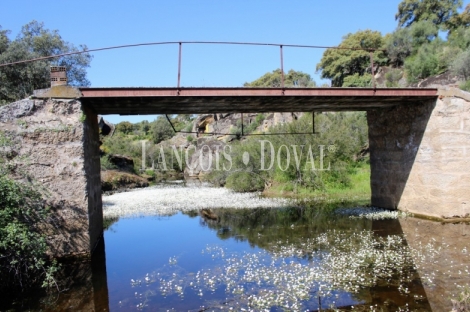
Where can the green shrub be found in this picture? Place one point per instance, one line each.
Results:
(150, 172)
(106, 164)
(23, 260)
(358, 81)
(422, 65)
(392, 78)
(342, 135)
(465, 86)
(242, 181)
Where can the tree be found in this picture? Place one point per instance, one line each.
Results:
(461, 20)
(351, 57)
(125, 127)
(161, 130)
(461, 65)
(460, 37)
(406, 41)
(18, 81)
(144, 127)
(439, 12)
(424, 63)
(293, 79)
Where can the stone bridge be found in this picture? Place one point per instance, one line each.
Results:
(419, 143)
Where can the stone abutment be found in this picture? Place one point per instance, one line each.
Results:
(419, 156)
(54, 144)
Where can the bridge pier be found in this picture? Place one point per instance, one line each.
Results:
(54, 144)
(419, 155)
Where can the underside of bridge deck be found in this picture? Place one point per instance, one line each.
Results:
(140, 101)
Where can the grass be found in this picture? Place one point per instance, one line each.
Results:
(359, 192)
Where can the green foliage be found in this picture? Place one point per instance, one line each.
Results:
(122, 144)
(460, 20)
(406, 41)
(462, 303)
(106, 164)
(23, 260)
(337, 64)
(439, 12)
(358, 81)
(393, 77)
(19, 81)
(161, 130)
(446, 56)
(144, 127)
(424, 64)
(340, 138)
(461, 65)
(82, 117)
(423, 32)
(250, 127)
(465, 86)
(399, 46)
(243, 181)
(293, 79)
(125, 127)
(460, 37)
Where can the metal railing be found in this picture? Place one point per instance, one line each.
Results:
(180, 44)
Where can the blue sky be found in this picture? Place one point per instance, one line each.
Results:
(103, 23)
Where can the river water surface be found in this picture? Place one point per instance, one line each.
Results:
(198, 248)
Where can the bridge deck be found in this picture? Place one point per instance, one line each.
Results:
(132, 101)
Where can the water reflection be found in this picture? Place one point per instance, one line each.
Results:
(279, 259)
(442, 256)
(84, 288)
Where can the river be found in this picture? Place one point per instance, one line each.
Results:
(185, 247)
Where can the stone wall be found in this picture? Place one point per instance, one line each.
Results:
(55, 146)
(420, 156)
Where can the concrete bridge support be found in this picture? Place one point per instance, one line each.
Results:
(420, 156)
(54, 144)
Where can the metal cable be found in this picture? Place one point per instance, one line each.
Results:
(187, 42)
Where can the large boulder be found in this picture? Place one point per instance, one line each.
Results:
(205, 157)
(114, 180)
(123, 163)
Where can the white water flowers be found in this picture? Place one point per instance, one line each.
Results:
(371, 213)
(340, 262)
(170, 199)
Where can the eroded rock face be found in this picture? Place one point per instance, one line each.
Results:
(123, 163)
(205, 157)
(55, 145)
(225, 126)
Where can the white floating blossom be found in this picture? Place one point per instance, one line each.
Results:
(170, 199)
(371, 213)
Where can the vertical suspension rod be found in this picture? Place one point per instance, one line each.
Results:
(371, 53)
(179, 65)
(282, 70)
(313, 122)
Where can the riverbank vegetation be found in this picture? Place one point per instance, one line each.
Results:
(297, 163)
(23, 260)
